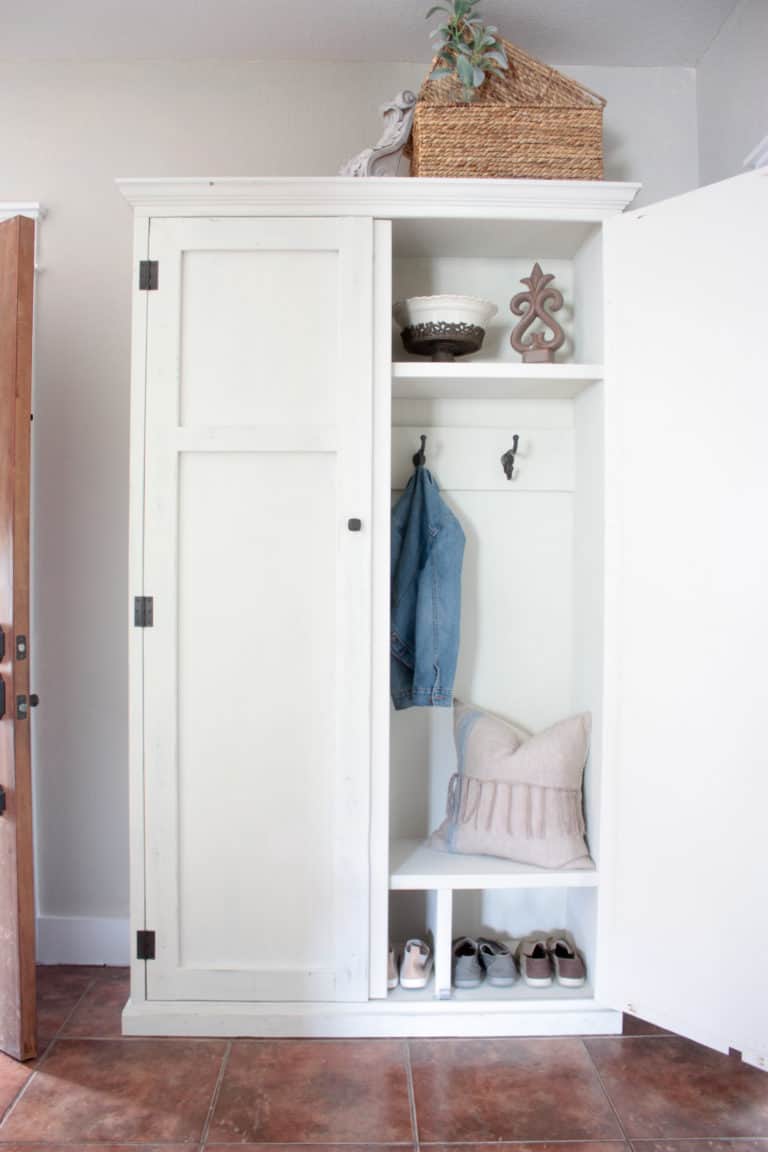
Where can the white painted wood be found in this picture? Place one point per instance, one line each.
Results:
(352, 779)
(30, 208)
(137, 449)
(285, 298)
(684, 936)
(380, 784)
(262, 438)
(495, 238)
(440, 926)
(262, 605)
(588, 298)
(588, 675)
(414, 865)
(257, 434)
(469, 459)
(393, 1017)
(484, 380)
(388, 197)
(481, 413)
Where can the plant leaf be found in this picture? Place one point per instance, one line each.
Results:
(436, 8)
(478, 77)
(440, 72)
(465, 71)
(497, 58)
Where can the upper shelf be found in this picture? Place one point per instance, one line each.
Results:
(476, 380)
(415, 866)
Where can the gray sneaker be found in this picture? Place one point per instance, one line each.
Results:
(467, 970)
(499, 963)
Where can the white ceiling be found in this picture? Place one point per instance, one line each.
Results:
(608, 32)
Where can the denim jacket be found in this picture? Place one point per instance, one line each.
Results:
(427, 552)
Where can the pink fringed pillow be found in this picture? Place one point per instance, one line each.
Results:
(516, 795)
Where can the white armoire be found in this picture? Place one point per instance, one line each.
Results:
(280, 810)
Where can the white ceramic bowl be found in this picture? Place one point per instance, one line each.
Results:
(444, 309)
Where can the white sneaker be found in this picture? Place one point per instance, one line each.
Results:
(416, 965)
(391, 970)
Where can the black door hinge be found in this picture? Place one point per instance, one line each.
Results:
(143, 611)
(149, 273)
(145, 945)
(2, 800)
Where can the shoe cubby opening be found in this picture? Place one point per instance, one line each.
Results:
(442, 917)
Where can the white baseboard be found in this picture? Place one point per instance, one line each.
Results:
(83, 940)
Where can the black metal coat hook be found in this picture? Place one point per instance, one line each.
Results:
(420, 459)
(508, 459)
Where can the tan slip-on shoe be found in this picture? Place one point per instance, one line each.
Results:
(567, 962)
(416, 965)
(535, 963)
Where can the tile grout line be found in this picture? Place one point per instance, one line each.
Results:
(411, 1096)
(607, 1094)
(216, 1094)
(70, 1014)
(5, 1115)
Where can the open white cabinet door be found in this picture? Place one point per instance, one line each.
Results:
(685, 915)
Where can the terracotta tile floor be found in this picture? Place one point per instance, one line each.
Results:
(645, 1091)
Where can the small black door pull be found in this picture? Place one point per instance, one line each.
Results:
(354, 524)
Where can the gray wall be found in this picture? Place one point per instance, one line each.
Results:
(733, 92)
(66, 130)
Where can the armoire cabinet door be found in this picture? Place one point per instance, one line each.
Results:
(687, 416)
(257, 664)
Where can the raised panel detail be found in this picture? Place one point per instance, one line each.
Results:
(259, 337)
(256, 709)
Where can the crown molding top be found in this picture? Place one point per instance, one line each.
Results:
(11, 208)
(386, 197)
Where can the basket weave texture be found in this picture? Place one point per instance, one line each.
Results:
(533, 123)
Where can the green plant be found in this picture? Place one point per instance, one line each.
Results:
(466, 48)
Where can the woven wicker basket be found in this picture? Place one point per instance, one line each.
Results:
(534, 122)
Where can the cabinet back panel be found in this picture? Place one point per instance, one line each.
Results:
(259, 337)
(256, 648)
(497, 280)
(515, 656)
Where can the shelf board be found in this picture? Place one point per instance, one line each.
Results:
(518, 995)
(478, 379)
(414, 866)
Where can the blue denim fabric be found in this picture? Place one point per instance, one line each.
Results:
(427, 553)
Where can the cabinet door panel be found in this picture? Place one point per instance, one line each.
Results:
(256, 669)
(687, 410)
(275, 356)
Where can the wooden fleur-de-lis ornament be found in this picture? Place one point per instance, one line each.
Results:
(532, 305)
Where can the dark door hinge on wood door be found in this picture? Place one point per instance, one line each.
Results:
(149, 273)
(143, 611)
(145, 945)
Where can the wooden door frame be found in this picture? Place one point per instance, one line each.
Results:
(17, 898)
